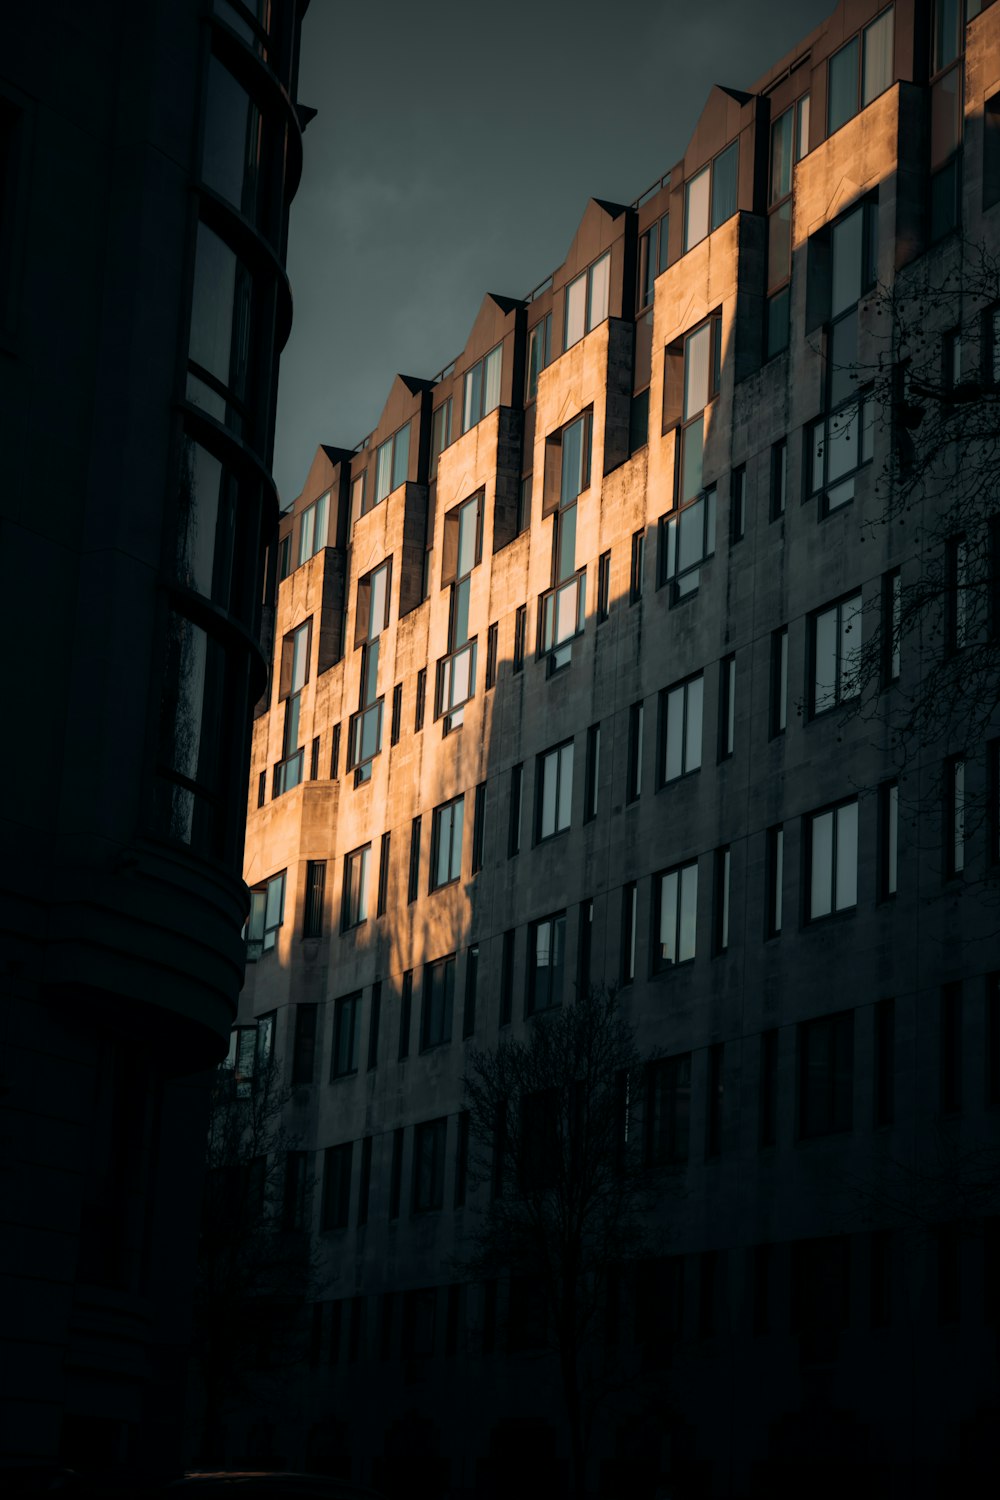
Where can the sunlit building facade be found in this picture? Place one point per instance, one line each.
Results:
(148, 154)
(561, 657)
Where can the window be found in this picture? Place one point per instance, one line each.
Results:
(462, 1158)
(592, 772)
(267, 912)
(421, 701)
(892, 606)
(587, 300)
(954, 808)
(716, 1099)
(481, 388)
(956, 592)
(312, 921)
(630, 899)
(358, 495)
(699, 356)
(779, 681)
(633, 782)
(524, 491)
(365, 737)
(779, 478)
(680, 728)
(346, 1036)
(446, 843)
(991, 152)
(653, 251)
(833, 860)
(335, 753)
(313, 529)
(365, 1183)
(686, 540)
(720, 903)
(382, 901)
(738, 504)
(373, 1025)
(355, 902)
(440, 433)
(405, 1014)
(392, 463)
(775, 879)
(539, 354)
(638, 563)
(676, 907)
(261, 788)
(585, 935)
(396, 1172)
(337, 1161)
(284, 557)
(462, 552)
(471, 989)
(710, 196)
(429, 1144)
(567, 475)
(293, 1208)
(668, 1111)
(888, 838)
(314, 760)
(507, 978)
(768, 1088)
(546, 962)
(835, 645)
(885, 1062)
(727, 706)
(789, 143)
(826, 1074)
(947, 116)
(491, 655)
(397, 714)
(304, 1045)
(520, 633)
(554, 791)
(478, 828)
(514, 815)
(439, 1003)
(413, 884)
(295, 653)
(603, 587)
(860, 71)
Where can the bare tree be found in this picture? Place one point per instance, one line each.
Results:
(553, 1140)
(255, 1268)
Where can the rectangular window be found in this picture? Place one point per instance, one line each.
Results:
(296, 650)
(779, 681)
(267, 913)
(629, 914)
(860, 71)
(462, 1158)
(954, 794)
(507, 978)
(446, 843)
(769, 1088)
(373, 1025)
(396, 1173)
(346, 1036)
(633, 778)
(304, 1045)
(991, 152)
(676, 908)
(440, 433)
(479, 828)
(587, 300)
(653, 251)
(638, 563)
(539, 354)
(546, 962)
(312, 922)
(355, 901)
(680, 728)
(592, 772)
(892, 602)
(710, 196)
(727, 706)
(885, 1062)
(382, 898)
(313, 529)
(668, 1111)
(835, 646)
(956, 592)
(413, 884)
(405, 1014)
(392, 461)
(738, 504)
(603, 587)
(720, 903)
(775, 878)
(439, 1003)
(833, 860)
(826, 1074)
(314, 760)
(686, 541)
(336, 1213)
(262, 789)
(553, 791)
(397, 713)
(365, 1181)
(492, 636)
(888, 838)
(779, 478)
(421, 700)
(471, 991)
(716, 1100)
(584, 946)
(514, 815)
(293, 1214)
(520, 637)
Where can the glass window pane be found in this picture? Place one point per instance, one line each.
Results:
(802, 128)
(383, 471)
(691, 463)
(877, 66)
(843, 101)
(781, 157)
(848, 238)
(946, 117)
(692, 536)
(688, 913)
(724, 179)
(565, 786)
(400, 456)
(674, 763)
(825, 673)
(322, 508)
(566, 555)
(576, 310)
(212, 309)
(697, 371)
(600, 281)
(535, 359)
(491, 379)
(473, 396)
(467, 526)
(201, 486)
(892, 836)
(275, 902)
(947, 23)
(850, 645)
(692, 745)
(572, 461)
(664, 244)
(847, 856)
(550, 776)
(230, 159)
(779, 245)
(821, 874)
(668, 918)
(696, 199)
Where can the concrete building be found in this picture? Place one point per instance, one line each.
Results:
(563, 653)
(148, 155)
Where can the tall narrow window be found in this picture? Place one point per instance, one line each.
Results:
(775, 879)
(592, 772)
(296, 649)
(779, 478)
(365, 739)
(514, 813)
(397, 714)
(954, 791)
(603, 587)
(392, 463)
(668, 1110)
(567, 475)
(479, 828)
(373, 1025)
(833, 860)
(546, 962)
(421, 700)
(336, 1210)
(492, 636)
(481, 388)
(835, 645)
(633, 781)
(892, 604)
(738, 504)
(676, 916)
(405, 1014)
(727, 706)
(471, 990)
(312, 924)
(826, 1074)
(304, 1045)
(413, 887)
(520, 637)
(507, 978)
(539, 354)
(630, 897)
(720, 904)
(956, 591)
(680, 729)
(335, 754)
(438, 1003)
(355, 896)
(638, 566)
(888, 838)
(446, 843)
(779, 681)
(587, 300)
(554, 791)
(346, 1036)
(456, 676)
(710, 196)
(440, 434)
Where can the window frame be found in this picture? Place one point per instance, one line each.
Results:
(474, 410)
(837, 906)
(439, 985)
(842, 663)
(713, 218)
(590, 321)
(660, 963)
(664, 731)
(346, 1010)
(354, 899)
(454, 812)
(556, 923)
(558, 753)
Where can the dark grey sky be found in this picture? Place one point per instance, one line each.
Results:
(454, 152)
